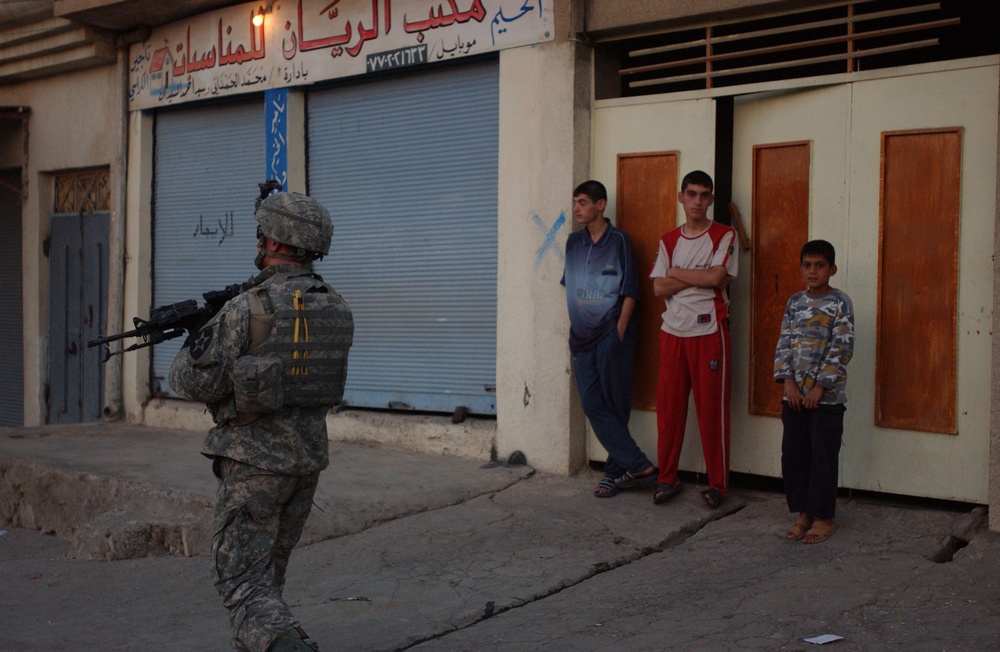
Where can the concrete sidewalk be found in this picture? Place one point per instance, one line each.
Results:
(437, 553)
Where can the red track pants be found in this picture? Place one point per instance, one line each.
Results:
(700, 364)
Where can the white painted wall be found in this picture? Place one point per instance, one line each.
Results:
(68, 129)
(544, 128)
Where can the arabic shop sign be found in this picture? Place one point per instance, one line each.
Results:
(304, 41)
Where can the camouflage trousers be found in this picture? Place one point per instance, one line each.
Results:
(259, 518)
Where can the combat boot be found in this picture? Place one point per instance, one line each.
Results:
(293, 640)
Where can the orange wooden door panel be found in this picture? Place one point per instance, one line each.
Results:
(646, 209)
(780, 218)
(916, 349)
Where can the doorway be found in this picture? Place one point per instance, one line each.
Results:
(78, 282)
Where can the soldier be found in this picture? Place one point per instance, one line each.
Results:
(269, 366)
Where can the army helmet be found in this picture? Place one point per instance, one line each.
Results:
(296, 220)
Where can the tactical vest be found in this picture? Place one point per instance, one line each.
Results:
(300, 333)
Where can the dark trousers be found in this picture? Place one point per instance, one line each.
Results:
(810, 447)
(604, 380)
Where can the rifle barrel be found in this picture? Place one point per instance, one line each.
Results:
(106, 339)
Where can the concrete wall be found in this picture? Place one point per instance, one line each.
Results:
(994, 514)
(69, 128)
(544, 124)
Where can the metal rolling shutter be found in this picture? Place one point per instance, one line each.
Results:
(408, 168)
(12, 317)
(208, 163)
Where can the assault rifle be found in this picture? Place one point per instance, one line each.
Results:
(168, 322)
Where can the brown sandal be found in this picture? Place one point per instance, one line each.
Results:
(799, 528)
(819, 532)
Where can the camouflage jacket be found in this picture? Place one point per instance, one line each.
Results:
(292, 440)
(816, 343)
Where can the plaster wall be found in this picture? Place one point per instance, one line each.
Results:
(68, 129)
(994, 514)
(137, 293)
(544, 135)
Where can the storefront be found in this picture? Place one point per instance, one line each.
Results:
(395, 130)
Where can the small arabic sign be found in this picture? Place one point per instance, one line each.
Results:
(304, 41)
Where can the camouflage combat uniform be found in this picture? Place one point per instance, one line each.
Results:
(268, 466)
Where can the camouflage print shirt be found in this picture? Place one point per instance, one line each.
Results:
(816, 343)
(290, 441)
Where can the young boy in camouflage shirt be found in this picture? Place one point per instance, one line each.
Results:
(815, 345)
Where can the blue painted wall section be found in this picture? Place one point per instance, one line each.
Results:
(276, 128)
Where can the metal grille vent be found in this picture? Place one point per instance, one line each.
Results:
(827, 38)
(83, 192)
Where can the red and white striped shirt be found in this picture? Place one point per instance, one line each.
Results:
(696, 311)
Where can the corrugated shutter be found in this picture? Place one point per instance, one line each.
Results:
(209, 161)
(408, 168)
(11, 317)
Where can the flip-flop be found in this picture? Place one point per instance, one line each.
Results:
(712, 497)
(628, 481)
(822, 531)
(799, 528)
(606, 488)
(665, 491)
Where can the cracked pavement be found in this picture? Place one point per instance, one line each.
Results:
(437, 553)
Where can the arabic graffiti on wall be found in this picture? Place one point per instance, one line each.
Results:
(304, 41)
(276, 128)
(226, 228)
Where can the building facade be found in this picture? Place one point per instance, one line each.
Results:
(446, 143)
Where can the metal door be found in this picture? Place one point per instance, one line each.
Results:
(11, 321)
(684, 132)
(209, 160)
(408, 168)
(78, 273)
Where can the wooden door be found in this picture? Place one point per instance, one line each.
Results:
(917, 337)
(646, 209)
(780, 228)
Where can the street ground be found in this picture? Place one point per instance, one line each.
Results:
(438, 553)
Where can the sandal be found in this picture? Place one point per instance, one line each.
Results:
(819, 532)
(712, 497)
(606, 488)
(799, 528)
(629, 481)
(665, 491)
